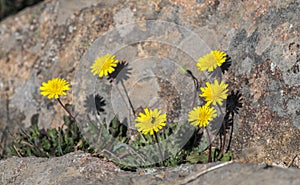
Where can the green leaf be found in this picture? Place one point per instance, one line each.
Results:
(183, 69)
(195, 158)
(227, 157)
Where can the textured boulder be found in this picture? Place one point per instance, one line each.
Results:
(261, 37)
(79, 168)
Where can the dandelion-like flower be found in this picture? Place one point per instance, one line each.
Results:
(54, 88)
(201, 116)
(211, 60)
(150, 121)
(214, 93)
(104, 65)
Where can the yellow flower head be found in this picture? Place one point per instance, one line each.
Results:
(150, 121)
(54, 88)
(104, 65)
(201, 116)
(214, 93)
(211, 60)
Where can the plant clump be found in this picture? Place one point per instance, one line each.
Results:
(152, 125)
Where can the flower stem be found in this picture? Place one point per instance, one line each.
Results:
(209, 148)
(220, 108)
(159, 149)
(130, 103)
(70, 114)
(224, 138)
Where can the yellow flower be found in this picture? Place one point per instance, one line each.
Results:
(211, 60)
(201, 116)
(104, 65)
(150, 121)
(214, 93)
(54, 88)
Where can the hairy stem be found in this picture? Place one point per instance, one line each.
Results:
(209, 148)
(159, 149)
(130, 103)
(70, 114)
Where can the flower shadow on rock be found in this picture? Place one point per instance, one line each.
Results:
(121, 73)
(95, 104)
(223, 68)
(234, 102)
(228, 123)
(233, 105)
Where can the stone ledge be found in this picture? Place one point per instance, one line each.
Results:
(81, 168)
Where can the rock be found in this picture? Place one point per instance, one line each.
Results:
(80, 168)
(262, 38)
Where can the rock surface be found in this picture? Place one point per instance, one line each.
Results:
(262, 38)
(80, 168)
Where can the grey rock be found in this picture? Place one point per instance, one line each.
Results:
(80, 168)
(56, 39)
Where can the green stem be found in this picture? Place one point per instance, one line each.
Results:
(130, 103)
(159, 149)
(209, 149)
(220, 109)
(70, 114)
(221, 143)
(224, 131)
